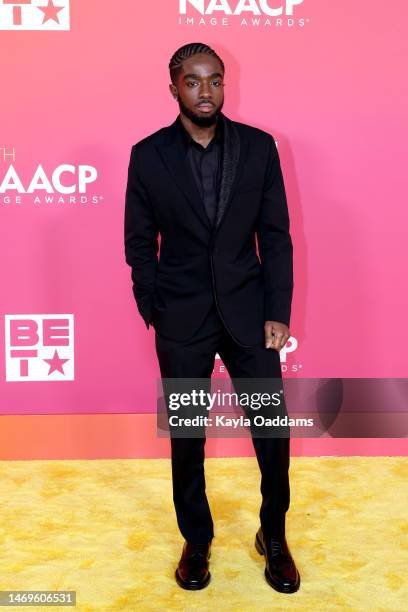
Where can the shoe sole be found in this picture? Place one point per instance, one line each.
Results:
(261, 551)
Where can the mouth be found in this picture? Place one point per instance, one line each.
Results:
(206, 107)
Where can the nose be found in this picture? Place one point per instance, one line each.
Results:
(205, 91)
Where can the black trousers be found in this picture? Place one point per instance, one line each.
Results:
(194, 358)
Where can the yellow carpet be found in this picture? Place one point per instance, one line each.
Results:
(107, 529)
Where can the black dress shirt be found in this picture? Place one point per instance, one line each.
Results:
(205, 164)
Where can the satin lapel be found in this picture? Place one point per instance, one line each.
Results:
(235, 151)
(173, 154)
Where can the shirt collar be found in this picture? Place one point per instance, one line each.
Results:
(188, 140)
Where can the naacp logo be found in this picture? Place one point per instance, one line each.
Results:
(292, 366)
(34, 14)
(245, 13)
(39, 347)
(256, 7)
(64, 184)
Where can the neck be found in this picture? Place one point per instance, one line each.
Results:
(200, 134)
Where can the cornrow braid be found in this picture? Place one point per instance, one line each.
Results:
(187, 51)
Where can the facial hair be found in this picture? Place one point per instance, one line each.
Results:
(201, 121)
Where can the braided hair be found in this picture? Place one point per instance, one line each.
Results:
(185, 52)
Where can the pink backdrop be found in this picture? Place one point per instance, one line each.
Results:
(331, 88)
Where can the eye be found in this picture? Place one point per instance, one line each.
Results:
(191, 83)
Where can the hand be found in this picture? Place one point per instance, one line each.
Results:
(276, 334)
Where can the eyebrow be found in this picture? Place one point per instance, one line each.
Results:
(191, 75)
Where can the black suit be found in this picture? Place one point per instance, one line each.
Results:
(209, 293)
(198, 261)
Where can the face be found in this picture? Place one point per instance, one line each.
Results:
(200, 89)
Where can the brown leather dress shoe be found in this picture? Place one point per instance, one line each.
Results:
(192, 572)
(280, 571)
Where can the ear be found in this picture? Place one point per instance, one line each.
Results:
(173, 91)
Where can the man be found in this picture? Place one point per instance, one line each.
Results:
(210, 186)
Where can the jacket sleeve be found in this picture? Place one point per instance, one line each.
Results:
(141, 239)
(274, 242)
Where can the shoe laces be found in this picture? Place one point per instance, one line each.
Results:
(199, 550)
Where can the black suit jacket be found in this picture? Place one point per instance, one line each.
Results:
(199, 262)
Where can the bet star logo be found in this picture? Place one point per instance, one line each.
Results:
(39, 347)
(34, 14)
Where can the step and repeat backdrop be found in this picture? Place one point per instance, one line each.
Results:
(83, 81)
